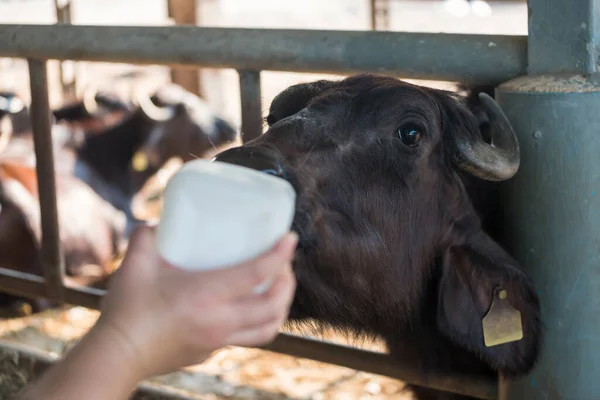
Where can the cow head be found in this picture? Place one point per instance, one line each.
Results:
(390, 243)
(185, 127)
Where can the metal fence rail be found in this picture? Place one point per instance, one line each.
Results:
(475, 59)
(31, 360)
(28, 285)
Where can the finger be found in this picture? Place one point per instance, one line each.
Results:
(231, 283)
(142, 236)
(259, 336)
(286, 246)
(259, 310)
(141, 244)
(286, 276)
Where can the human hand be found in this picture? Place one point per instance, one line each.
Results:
(165, 318)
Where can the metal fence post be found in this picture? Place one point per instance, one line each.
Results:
(69, 86)
(553, 203)
(54, 268)
(251, 103)
(380, 15)
(184, 12)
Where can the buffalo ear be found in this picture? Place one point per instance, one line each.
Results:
(471, 273)
(294, 99)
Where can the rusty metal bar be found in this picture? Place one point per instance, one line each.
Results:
(373, 14)
(63, 16)
(251, 102)
(382, 364)
(380, 15)
(34, 362)
(42, 138)
(471, 59)
(32, 286)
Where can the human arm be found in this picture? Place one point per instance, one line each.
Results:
(156, 318)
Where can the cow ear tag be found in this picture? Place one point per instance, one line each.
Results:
(502, 324)
(140, 161)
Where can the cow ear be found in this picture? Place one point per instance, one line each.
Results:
(294, 99)
(473, 275)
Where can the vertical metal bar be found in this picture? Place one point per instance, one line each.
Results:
(373, 14)
(553, 225)
(380, 15)
(63, 16)
(563, 36)
(41, 126)
(552, 218)
(250, 95)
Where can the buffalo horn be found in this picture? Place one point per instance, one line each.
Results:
(497, 161)
(153, 111)
(89, 99)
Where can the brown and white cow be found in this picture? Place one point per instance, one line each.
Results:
(91, 230)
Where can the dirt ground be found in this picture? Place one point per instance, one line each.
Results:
(233, 373)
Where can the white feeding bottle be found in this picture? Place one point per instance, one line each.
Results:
(217, 215)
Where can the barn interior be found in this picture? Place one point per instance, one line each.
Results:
(234, 372)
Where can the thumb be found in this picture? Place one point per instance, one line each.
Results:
(286, 247)
(142, 243)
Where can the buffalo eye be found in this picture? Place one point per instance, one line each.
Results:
(410, 134)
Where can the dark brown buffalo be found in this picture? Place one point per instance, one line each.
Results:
(391, 242)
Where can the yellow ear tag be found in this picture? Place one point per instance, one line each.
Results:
(502, 324)
(140, 161)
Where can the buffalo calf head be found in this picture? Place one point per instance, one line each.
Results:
(390, 243)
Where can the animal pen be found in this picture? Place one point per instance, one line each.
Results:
(546, 84)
